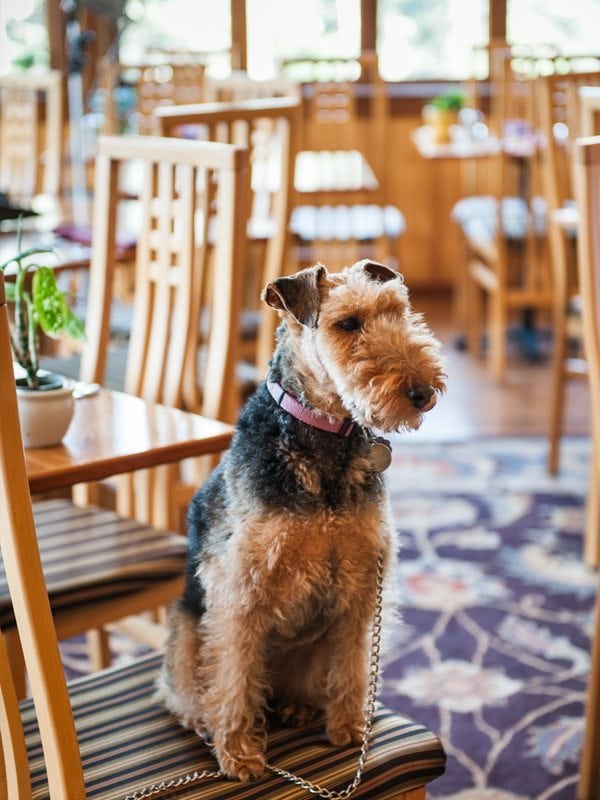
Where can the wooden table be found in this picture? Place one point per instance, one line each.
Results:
(113, 433)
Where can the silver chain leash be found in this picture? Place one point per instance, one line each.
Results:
(313, 788)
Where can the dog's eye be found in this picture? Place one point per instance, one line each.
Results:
(349, 324)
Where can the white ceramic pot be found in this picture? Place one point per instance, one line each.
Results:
(45, 413)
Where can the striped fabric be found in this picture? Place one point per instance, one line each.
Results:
(128, 741)
(88, 553)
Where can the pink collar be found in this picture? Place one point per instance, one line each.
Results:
(294, 407)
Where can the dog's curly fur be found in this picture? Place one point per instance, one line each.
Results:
(285, 534)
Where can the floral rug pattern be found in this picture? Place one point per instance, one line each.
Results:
(497, 610)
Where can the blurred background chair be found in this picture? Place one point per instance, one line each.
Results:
(270, 128)
(561, 121)
(587, 195)
(507, 273)
(190, 224)
(31, 163)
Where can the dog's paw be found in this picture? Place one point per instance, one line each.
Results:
(341, 735)
(296, 715)
(245, 768)
(241, 757)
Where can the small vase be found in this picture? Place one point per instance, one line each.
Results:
(441, 121)
(45, 413)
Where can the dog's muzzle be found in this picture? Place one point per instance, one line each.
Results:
(421, 396)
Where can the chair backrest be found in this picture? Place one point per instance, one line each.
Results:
(191, 229)
(271, 128)
(587, 194)
(30, 163)
(560, 119)
(18, 544)
(163, 84)
(239, 86)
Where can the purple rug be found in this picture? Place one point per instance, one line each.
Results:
(497, 608)
(493, 652)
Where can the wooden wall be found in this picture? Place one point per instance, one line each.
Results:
(424, 190)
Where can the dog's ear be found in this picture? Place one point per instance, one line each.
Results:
(297, 294)
(381, 273)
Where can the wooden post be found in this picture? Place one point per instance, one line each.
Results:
(497, 21)
(368, 25)
(239, 41)
(55, 23)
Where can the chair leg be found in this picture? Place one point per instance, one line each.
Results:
(592, 521)
(589, 779)
(473, 307)
(497, 330)
(16, 661)
(557, 243)
(98, 649)
(557, 397)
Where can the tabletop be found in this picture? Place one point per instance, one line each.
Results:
(112, 433)
(462, 146)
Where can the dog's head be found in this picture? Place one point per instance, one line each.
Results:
(356, 331)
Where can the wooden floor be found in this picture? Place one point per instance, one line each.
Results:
(476, 405)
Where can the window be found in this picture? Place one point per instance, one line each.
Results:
(571, 26)
(23, 35)
(288, 29)
(437, 39)
(201, 26)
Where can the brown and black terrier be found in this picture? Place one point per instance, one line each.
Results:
(286, 533)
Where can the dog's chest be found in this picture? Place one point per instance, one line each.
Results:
(317, 568)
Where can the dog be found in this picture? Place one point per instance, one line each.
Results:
(285, 535)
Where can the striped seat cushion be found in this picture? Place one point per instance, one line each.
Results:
(127, 741)
(342, 223)
(88, 553)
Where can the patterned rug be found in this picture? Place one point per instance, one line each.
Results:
(497, 609)
(497, 613)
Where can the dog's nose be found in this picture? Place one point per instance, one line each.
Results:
(420, 394)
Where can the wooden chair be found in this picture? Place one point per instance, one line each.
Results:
(105, 736)
(507, 275)
(587, 194)
(506, 238)
(560, 117)
(343, 212)
(184, 185)
(271, 129)
(28, 166)
(190, 232)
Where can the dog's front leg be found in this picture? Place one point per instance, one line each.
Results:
(234, 703)
(347, 679)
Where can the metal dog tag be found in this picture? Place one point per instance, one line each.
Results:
(381, 455)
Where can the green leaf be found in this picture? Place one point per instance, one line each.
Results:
(49, 302)
(74, 327)
(9, 289)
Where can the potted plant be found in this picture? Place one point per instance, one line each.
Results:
(45, 399)
(443, 112)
